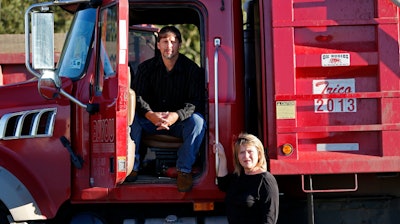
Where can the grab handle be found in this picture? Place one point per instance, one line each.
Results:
(217, 44)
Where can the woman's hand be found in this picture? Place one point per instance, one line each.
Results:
(218, 149)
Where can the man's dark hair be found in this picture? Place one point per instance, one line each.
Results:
(169, 29)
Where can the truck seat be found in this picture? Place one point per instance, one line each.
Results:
(131, 143)
(165, 148)
(131, 114)
(161, 141)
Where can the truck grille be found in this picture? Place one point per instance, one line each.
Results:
(28, 124)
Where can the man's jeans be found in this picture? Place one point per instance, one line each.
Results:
(191, 130)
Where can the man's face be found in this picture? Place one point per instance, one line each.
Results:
(169, 46)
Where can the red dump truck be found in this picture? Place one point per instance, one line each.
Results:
(317, 81)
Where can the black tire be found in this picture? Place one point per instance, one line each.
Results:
(3, 214)
(87, 218)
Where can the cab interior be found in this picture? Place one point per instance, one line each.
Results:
(158, 152)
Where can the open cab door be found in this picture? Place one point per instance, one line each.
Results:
(112, 150)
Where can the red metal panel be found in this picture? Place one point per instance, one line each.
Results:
(40, 162)
(336, 86)
(333, 10)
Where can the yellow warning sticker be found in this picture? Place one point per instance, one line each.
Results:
(285, 109)
(121, 163)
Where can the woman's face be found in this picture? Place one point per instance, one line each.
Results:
(248, 157)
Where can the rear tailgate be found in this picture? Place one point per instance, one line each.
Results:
(336, 83)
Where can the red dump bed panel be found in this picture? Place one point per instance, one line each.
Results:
(336, 84)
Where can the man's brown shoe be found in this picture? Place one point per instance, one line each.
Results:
(132, 176)
(184, 181)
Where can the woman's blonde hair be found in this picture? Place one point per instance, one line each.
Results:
(248, 140)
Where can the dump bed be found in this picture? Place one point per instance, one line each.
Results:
(12, 57)
(335, 84)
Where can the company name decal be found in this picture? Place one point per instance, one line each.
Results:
(104, 130)
(334, 86)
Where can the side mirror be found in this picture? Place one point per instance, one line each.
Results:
(42, 40)
(49, 85)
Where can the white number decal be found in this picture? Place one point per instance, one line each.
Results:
(335, 105)
(334, 86)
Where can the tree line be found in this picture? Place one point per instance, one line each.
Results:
(12, 13)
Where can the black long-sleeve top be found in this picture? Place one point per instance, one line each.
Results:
(250, 198)
(180, 90)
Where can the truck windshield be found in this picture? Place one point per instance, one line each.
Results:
(74, 55)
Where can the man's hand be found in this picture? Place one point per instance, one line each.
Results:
(162, 119)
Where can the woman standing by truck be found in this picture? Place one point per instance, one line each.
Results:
(252, 194)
